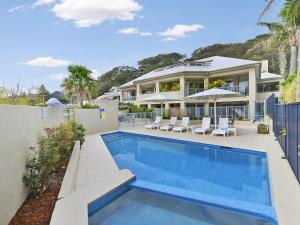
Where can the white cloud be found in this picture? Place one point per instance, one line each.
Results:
(57, 76)
(95, 74)
(146, 34)
(180, 31)
(18, 8)
(33, 6)
(129, 30)
(87, 13)
(48, 61)
(133, 30)
(42, 2)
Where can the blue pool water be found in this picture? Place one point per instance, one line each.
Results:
(232, 178)
(136, 207)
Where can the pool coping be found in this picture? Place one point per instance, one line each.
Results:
(252, 209)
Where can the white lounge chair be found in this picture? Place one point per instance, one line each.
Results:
(172, 123)
(205, 126)
(184, 125)
(157, 123)
(222, 127)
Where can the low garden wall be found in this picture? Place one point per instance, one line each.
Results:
(19, 128)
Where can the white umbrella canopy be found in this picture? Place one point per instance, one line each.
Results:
(213, 95)
(161, 98)
(55, 103)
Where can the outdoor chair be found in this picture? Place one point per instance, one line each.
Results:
(205, 127)
(184, 125)
(222, 127)
(156, 125)
(172, 123)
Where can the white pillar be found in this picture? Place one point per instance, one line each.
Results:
(157, 86)
(182, 86)
(206, 82)
(252, 93)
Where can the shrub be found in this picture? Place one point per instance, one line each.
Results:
(53, 150)
(90, 106)
(133, 108)
(216, 83)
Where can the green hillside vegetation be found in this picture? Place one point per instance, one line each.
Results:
(262, 47)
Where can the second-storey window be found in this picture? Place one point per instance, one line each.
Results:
(267, 87)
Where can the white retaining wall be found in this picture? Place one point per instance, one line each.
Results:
(19, 128)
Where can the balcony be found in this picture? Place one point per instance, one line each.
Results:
(243, 89)
(129, 99)
(192, 91)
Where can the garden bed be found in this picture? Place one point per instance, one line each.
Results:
(37, 208)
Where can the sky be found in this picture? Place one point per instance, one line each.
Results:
(40, 38)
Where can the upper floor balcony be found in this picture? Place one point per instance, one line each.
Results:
(129, 99)
(243, 89)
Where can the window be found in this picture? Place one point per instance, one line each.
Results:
(268, 87)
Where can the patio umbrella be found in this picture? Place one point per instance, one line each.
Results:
(213, 95)
(161, 98)
(55, 103)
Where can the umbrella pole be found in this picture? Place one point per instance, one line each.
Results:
(215, 112)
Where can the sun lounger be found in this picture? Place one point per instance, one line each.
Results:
(157, 123)
(172, 123)
(184, 125)
(205, 127)
(222, 127)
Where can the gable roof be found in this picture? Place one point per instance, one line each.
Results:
(210, 64)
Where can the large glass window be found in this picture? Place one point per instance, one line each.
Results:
(267, 87)
(243, 86)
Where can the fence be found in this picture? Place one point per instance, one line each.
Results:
(194, 113)
(135, 118)
(286, 127)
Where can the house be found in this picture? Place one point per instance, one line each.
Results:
(113, 93)
(250, 78)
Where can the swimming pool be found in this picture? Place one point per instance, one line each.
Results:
(218, 176)
(127, 206)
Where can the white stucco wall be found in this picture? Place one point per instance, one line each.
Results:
(19, 128)
(90, 118)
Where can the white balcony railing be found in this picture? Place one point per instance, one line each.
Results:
(129, 99)
(237, 88)
(192, 91)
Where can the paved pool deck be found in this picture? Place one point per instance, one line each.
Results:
(97, 174)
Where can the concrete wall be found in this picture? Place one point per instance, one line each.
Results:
(19, 128)
(91, 118)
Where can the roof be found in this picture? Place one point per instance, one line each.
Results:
(267, 75)
(128, 84)
(210, 64)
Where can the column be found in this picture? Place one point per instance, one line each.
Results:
(182, 86)
(206, 82)
(252, 93)
(206, 105)
(138, 91)
(157, 86)
(121, 96)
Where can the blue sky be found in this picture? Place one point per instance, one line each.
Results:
(39, 38)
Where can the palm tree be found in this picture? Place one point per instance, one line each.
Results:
(79, 82)
(268, 5)
(288, 28)
(283, 31)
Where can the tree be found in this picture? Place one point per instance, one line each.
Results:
(79, 82)
(285, 30)
(43, 94)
